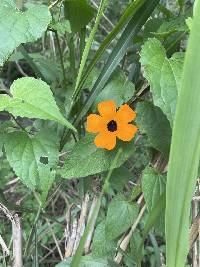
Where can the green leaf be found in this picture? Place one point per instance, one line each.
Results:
(86, 261)
(120, 177)
(184, 154)
(61, 27)
(135, 243)
(171, 26)
(153, 185)
(33, 158)
(4, 128)
(152, 26)
(162, 28)
(189, 21)
(92, 160)
(152, 122)
(79, 13)
(120, 217)
(47, 67)
(4, 101)
(163, 74)
(102, 247)
(33, 98)
(119, 89)
(18, 27)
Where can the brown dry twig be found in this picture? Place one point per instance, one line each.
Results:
(5, 249)
(17, 242)
(81, 221)
(16, 235)
(55, 239)
(90, 234)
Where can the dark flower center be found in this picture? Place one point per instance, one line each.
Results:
(112, 126)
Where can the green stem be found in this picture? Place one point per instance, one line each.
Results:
(61, 57)
(29, 242)
(72, 58)
(19, 124)
(31, 62)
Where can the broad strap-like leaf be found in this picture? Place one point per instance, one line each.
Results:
(18, 26)
(86, 159)
(32, 98)
(185, 152)
(163, 75)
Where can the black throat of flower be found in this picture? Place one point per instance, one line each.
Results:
(112, 126)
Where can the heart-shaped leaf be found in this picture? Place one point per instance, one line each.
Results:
(33, 98)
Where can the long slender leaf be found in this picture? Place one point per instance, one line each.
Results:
(89, 42)
(185, 152)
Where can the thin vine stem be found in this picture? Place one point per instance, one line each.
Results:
(19, 124)
(61, 57)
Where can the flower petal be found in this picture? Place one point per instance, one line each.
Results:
(126, 132)
(105, 140)
(107, 109)
(95, 123)
(125, 114)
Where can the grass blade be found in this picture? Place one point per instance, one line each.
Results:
(89, 43)
(185, 151)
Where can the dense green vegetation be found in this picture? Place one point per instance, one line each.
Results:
(99, 125)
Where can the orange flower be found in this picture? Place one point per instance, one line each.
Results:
(111, 124)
